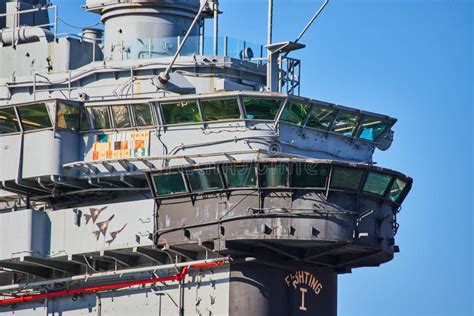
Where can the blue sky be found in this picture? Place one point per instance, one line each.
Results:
(413, 60)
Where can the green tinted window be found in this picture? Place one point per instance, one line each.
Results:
(34, 116)
(346, 178)
(377, 183)
(215, 110)
(397, 189)
(121, 116)
(240, 176)
(295, 113)
(274, 175)
(100, 117)
(204, 179)
(261, 109)
(142, 114)
(345, 123)
(85, 125)
(169, 183)
(181, 112)
(8, 121)
(371, 128)
(309, 175)
(321, 118)
(68, 117)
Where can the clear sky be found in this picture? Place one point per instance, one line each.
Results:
(413, 60)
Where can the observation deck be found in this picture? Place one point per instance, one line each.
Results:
(112, 144)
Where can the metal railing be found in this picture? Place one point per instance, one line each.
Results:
(17, 15)
(195, 45)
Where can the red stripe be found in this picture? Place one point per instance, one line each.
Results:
(177, 277)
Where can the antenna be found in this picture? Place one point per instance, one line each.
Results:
(315, 16)
(275, 50)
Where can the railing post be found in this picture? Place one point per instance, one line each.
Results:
(179, 43)
(56, 17)
(34, 86)
(299, 77)
(149, 48)
(94, 43)
(201, 40)
(225, 45)
(131, 81)
(280, 73)
(69, 85)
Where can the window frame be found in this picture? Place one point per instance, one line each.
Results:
(18, 122)
(251, 165)
(48, 104)
(92, 117)
(359, 116)
(113, 122)
(402, 194)
(161, 118)
(294, 165)
(260, 166)
(263, 165)
(239, 106)
(263, 97)
(133, 115)
(187, 172)
(387, 188)
(187, 187)
(82, 110)
(352, 168)
(358, 132)
(334, 109)
(294, 100)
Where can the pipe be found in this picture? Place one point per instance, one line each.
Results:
(177, 277)
(270, 22)
(164, 77)
(25, 34)
(216, 27)
(195, 264)
(269, 42)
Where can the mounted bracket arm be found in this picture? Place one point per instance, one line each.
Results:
(164, 76)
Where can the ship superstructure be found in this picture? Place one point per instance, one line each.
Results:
(149, 169)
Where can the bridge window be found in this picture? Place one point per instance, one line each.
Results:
(101, 118)
(34, 116)
(240, 176)
(181, 112)
(346, 178)
(204, 179)
(309, 175)
(217, 110)
(372, 128)
(295, 113)
(169, 183)
(121, 116)
(397, 189)
(261, 109)
(321, 118)
(345, 123)
(275, 175)
(8, 121)
(377, 183)
(68, 116)
(85, 125)
(142, 114)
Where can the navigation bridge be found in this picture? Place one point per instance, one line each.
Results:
(149, 168)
